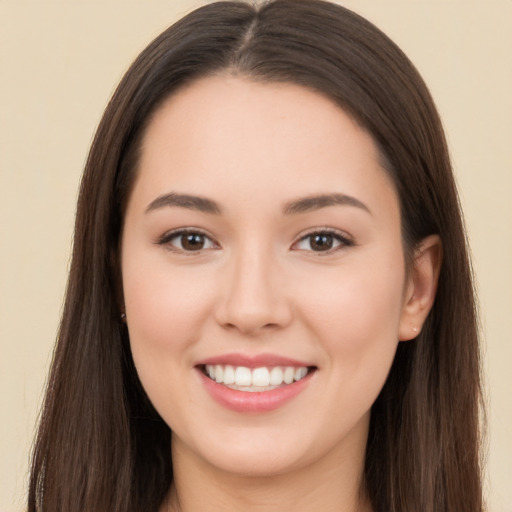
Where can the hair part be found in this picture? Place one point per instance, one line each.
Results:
(101, 445)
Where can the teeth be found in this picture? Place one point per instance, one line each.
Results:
(243, 376)
(276, 376)
(300, 373)
(229, 375)
(260, 377)
(288, 375)
(257, 379)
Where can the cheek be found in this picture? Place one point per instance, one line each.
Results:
(356, 322)
(165, 310)
(355, 313)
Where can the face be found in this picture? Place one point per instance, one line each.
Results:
(263, 275)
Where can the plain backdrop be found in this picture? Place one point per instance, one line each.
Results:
(59, 64)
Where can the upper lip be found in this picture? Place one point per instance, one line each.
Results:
(252, 361)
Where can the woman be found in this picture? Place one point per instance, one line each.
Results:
(270, 302)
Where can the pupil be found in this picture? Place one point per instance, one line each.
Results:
(193, 242)
(321, 242)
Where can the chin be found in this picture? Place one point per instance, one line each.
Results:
(251, 452)
(256, 463)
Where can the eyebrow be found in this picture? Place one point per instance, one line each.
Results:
(316, 202)
(173, 199)
(302, 205)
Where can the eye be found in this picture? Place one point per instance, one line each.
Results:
(323, 241)
(187, 241)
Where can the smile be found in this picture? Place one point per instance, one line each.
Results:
(254, 384)
(259, 379)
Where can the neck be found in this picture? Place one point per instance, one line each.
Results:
(333, 484)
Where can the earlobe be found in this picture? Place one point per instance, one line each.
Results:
(421, 288)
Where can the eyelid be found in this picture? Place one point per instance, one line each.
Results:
(341, 236)
(165, 239)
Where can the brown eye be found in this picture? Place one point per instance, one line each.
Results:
(187, 241)
(321, 242)
(192, 241)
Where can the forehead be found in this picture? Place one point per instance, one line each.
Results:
(229, 137)
(238, 107)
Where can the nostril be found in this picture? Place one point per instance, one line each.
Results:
(251, 301)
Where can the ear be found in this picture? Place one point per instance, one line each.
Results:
(421, 287)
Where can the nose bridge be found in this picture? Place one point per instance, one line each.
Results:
(253, 296)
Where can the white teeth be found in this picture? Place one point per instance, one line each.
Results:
(243, 376)
(262, 378)
(276, 376)
(288, 375)
(300, 373)
(229, 375)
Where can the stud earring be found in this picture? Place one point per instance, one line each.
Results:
(123, 316)
(415, 329)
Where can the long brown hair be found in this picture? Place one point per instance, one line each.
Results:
(101, 446)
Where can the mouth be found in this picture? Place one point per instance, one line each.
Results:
(251, 380)
(254, 383)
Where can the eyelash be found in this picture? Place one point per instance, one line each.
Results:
(166, 239)
(342, 238)
(338, 236)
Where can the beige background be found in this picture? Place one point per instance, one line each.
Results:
(59, 63)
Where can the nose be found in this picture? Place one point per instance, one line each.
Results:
(254, 298)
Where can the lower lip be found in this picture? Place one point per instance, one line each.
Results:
(254, 401)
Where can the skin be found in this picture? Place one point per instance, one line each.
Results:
(258, 286)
